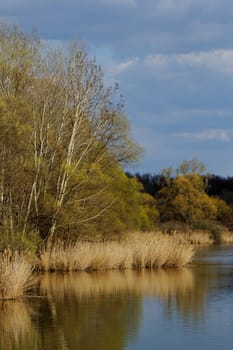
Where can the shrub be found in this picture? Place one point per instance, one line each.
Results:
(15, 274)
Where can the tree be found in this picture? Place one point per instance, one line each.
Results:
(185, 200)
(71, 126)
(192, 166)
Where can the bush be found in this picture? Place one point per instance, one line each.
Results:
(213, 228)
(19, 240)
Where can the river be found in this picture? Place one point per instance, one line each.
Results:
(189, 308)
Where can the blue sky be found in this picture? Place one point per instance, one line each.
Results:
(173, 60)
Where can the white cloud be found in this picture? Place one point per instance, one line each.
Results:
(217, 60)
(210, 134)
(156, 60)
(115, 69)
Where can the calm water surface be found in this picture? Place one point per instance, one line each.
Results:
(189, 308)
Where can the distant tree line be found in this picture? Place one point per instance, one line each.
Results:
(219, 186)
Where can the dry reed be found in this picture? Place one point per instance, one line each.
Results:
(196, 237)
(227, 237)
(15, 275)
(137, 251)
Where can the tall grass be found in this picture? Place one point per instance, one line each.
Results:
(15, 275)
(227, 237)
(137, 251)
(196, 237)
(215, 235)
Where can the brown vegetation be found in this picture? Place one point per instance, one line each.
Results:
(227, 237)
(196, 237)
(15, 275)
(138, 251)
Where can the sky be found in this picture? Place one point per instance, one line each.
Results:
(173, 60)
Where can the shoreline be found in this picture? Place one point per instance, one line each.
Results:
(138, 251)
(135, 251)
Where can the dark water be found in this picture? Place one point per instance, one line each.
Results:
(190, 308)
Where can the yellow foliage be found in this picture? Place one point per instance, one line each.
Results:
(185, 199)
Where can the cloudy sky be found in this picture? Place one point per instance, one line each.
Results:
(173, 60)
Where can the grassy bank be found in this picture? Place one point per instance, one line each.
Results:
(138, 251)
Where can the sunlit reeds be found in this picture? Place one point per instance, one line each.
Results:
(195, 237)
(227, 237)
(201, 237)
(15, 275)
(137, 251)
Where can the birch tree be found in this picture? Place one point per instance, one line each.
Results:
(73, 129)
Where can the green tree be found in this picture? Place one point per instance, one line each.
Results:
(186, 201)
(65, 133)
(16, 164)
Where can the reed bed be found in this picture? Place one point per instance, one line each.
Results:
(137, 251)
(200, 237)
(15, 275)
(196, 237)
(227, 237)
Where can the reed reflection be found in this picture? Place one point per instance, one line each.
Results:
(91, 310)
(98, 311)
(161, 283)
(116, 299)
(16, 325)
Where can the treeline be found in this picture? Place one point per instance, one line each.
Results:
(219, 186)
(187, 195)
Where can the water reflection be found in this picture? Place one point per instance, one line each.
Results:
(101, 315)
(16, 325)
(161, 283)
(104, 310)
(88, 310)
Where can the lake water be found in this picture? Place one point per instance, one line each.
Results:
(189, 308)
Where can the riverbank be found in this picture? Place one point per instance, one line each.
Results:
(132, 251)
(136, 251)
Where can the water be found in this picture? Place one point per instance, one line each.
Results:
(189, 308)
